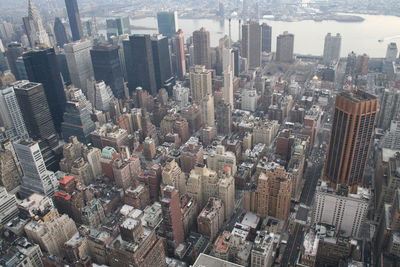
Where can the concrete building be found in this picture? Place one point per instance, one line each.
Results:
(126, 171)
(22, 253)
(178, 47)
(207, 110)
(11, 116)
(249, 100)
(219, 159)
(191, 155)
(8, 206)
(332, 47)
(345, 164)
(392, 52)
(389, 107)
(103, 96)
(273, 193)
(172, 217)
(36, 179)
(347, 212)
(181, 95)
(52, 235)
(10, 174)
(263, 251)
(201, 50)
(79, 63)
(224, 119)
(200, 82)
(265, 132)
(211, 218)
(285, 47)
(252, 43)
(172, 175)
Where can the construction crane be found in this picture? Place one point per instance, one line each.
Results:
(389, 38)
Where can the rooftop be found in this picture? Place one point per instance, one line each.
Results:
(204, 260)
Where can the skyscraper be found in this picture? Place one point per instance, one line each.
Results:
(41, 67)
(167, 23)
(79, 63)
(201, 43)
(162, 60)
(36, 179)
(332, 48)
(178, 46)
(391, 52)
(266, 37)
(10, 115)
(107, 67)
(74, 19)
(285, 47)
(14, 50)
(351, 137)
(252, 43)
(224, 119)
(34, 28)
(77, 122)
(172, 217)
(59, 32)
(118, 26)
(139, 63)
(200, 82)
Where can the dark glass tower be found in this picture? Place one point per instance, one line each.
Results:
(74, 19)
(107, 67)
(14, 50)
(161, 59)
(266, 37)
(139, 63)
(77, 122)
(38, 120)
(59, 32)
(42, 67)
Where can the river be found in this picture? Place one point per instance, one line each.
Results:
(360, 37)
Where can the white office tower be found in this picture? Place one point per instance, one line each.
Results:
(391, 52)
(79, 63)
(228, 88)
(332, 48)
(347, 212)
(249, 100)
(10, 115)
(228, 60)
(181, 95)
(76, 94)
(103, 96)
(34, 27)
(8, 206)
(207, 110)
(36, 179)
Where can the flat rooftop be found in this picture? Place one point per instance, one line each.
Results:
(204, 260)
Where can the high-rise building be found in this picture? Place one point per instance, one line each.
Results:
(162, 60)
(35, 111)
(211, 218)
(77, 122)
(391, 52)
(60, 33)
(249, 100)
(36, 179)
(11, 116)
(285, 47)
(207, 110)
(139, 63)
(74, 19)
(79, 62)
(347, 212)
(200, 82)
(218, 159)
(118, 26)
(266, 37)
(103, 96)
(167, 23)
(224, 119)
(178, 46)
(173, 175)
(226, 191)
(34, 28)
(351, 137)
(201, 50)
(107, 67)
(273, 193)
(389, 107)
(41, 67)
(14, 51)
(10, 171)
(332, 48)
(252, 43)
(172, 217)
(8, 206)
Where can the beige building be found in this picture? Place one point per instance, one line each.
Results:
(173, 175)
(265, 132)
(51, 235)
(200, 82)
(218, 159)
(273, 193)
(211, 218)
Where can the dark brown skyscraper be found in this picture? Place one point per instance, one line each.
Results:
(201, 43)
(351, 136)
(74, 19)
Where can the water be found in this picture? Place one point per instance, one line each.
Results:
(361, 37)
